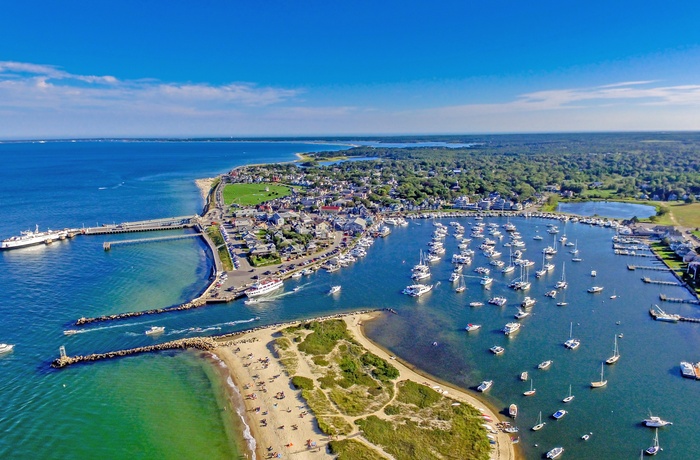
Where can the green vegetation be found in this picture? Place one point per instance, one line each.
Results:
(686, 214)
(263, 260)
(320, 361)
(382, 371)
(214, 233)
(253, 194)
(669, 257)
(349, 449)
(318, 402)
(302, 383)
(334, 425)
(436, 430)
(324, 337)
(283, 343)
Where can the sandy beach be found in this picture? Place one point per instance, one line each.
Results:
(204, 186)
(279, 420)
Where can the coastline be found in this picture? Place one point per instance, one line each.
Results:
(204, 186)
(256, 378)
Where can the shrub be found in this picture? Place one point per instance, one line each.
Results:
(302, 383)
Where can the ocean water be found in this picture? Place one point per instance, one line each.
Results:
(613, 209)
(167, 405)
(171, 405)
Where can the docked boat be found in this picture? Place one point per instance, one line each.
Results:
(653, 450)
(555, 453)
(545, 364)
(485, 385)
(559, 414)
(155, 330)
(569, 398)
(660, 315)
(687, 370)
(540, 424)
(511, 328)
(497, 350)
(472, 327)
(334, 289)
(615, 356)
(6, 347)
(595, 289)
(296, 275)
(513, 410)
(264, 287)
(600, 383)
(655, 421)
(31, 238)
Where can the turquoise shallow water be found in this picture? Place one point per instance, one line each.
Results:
(169, 405)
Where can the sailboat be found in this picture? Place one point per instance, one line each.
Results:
(601, 382)
(653, 450)
(575, 253)
(531, 391)
(570, 397)
(461, 286)
(562, 284)
(614, 296)
(543, 271)
(540, 424)
(616, 354)
(572, 343)
(563, 301)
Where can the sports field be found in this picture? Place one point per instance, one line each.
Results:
(253, 194)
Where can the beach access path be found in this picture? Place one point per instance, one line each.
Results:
(279, 419)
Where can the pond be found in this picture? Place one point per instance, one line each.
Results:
(611, 209)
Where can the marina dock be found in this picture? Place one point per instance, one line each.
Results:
(107, 245)
(169, 223)
(664, 283)
(648, 267)
(665, 298)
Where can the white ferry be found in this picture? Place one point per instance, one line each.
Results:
(30, 238)
(264, 287)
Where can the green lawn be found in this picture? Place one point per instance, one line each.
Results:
(253, 194)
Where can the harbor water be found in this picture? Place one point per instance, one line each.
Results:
(173, 404)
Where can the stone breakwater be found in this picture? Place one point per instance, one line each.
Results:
(199, 302)
(198, 343)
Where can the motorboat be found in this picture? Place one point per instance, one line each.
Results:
(587, 436)
(545, 364)
(555, 453)
(522, 314)
(417, 290)
(595, 289)
(334, 289)
(476, 304)
(155, 330)
(513, 410)
(528, 302)
(497, 350)
(486, 281)
(552, 293)
(472, 327)
(485, 385)
(498, 301)
(523, 376)
(559, 414)
(594, 273)
(511, 328)
(655, 421)
(6, 347)
(687, 370)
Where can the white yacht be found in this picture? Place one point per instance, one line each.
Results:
(417, 290)
(655, 421)
(595, 289)
(334, 289)
(511, 328)
(572, 343)
(155, 330)
(528, 302)
(498, 301)
(264, 287)
(497, 350)
(472, 327)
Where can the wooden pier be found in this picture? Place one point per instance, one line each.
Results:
(665, 283)
(170, 223)
(676, 300)
(107, 245)
(648, 267)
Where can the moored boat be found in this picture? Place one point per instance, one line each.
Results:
(497, 350)
(559, 414)
(513, 410)
(545, 364)
(600, 383)
(511, 328)
(334, 289)
(472, 327)
(655, 421)
(555, 453)
(540, 424)
(485, 385)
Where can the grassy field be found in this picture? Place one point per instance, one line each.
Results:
(687, 215)
(215, 234)
(253, 194)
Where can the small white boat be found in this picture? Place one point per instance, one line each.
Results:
(472, 327)
(513, 410)
(531, 391)
(155, 330)
(559, 414)
(600, 383)
(616, 354)
(655, 421)
(6, 347)
(522, 314)
(570, 397)
(540, 424)
(595, 289)
(594, 273)
(544, 364)
(485, 385)
(497, 350)
(653, 450)
(296, 275)
(572, 343)
(296, 289)
(586, 436)
(523, 376)
(334, 289)
(476, 304)
(555, 453)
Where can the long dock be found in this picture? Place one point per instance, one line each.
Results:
(107, 245)
(648, 267)
(665, 283)
(676, 300)
(169, 223)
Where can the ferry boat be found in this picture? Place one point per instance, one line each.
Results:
(264, 287)
(334, 289)
(31, 238)
(687, 370)
(6, 347)
(496, 350)
(485, 385)
(473, 327)
(559, 414)
(511, 328)
(555, 453)
(155, 330)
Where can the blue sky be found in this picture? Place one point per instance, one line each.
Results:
(273, 68)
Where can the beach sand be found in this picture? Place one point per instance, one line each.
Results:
(260, 377)
(204, 186)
